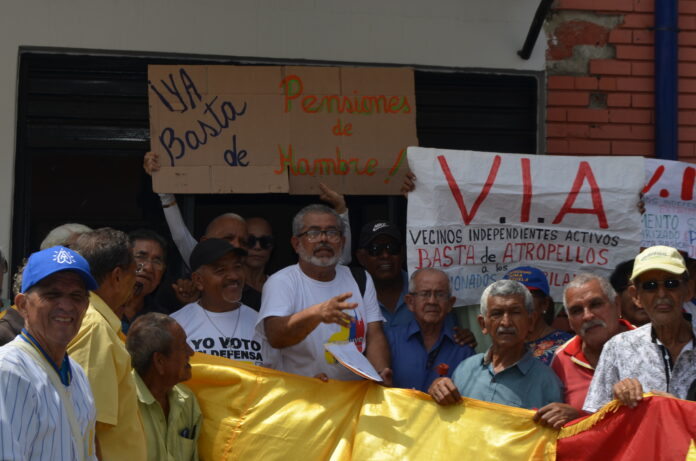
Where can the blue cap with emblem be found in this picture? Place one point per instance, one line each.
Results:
(55, 259)
(530, 277)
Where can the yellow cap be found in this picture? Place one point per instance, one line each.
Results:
(661, 258)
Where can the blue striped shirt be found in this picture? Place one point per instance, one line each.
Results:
(33, 421)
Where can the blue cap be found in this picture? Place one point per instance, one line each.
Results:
(55, 259)
(530, 277)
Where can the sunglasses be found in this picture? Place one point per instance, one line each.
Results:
(653, 285)
(376, 249)
(265, 241)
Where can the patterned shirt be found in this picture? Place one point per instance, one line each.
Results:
(639, 354)
(544, 348)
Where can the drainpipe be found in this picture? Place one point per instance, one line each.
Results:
(666, 79)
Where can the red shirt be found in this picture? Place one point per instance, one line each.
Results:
(574, 370)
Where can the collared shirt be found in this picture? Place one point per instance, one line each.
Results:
(103, 355)
(574, 370)
(413, 366)
(401, 315)
(34, 423)
(176, 437)
(637, 354)
(526, 384)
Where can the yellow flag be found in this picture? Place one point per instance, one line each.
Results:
(257, 413)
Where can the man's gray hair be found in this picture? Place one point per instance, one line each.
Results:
(583, 278)
(506, 288)
(412, 279)
(149, 334)
(222, 216)
(63, 234)
(317, 208)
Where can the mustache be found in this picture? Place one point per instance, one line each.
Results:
(590, 324)
(667, 301)
(322, 246)
(506, 330)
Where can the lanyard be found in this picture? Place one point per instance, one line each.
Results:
(63, 371)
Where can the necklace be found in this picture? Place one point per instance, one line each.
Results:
(236, 322)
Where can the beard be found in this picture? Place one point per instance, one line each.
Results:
(325, 261)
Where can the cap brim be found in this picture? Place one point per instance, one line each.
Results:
(658, 267)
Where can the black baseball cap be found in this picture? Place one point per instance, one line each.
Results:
(210, 250)
(376, 228)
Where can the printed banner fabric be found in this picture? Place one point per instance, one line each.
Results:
(477, 215)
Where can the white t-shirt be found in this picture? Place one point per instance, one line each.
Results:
(225, 334)
(290, 291)
(34, 424)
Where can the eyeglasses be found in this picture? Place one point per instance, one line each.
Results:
(332, 235)
(669, 284)
(426, 294)
(376, 249)
(142, 258)
(264, 241)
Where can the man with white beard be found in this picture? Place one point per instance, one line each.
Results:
(317, 301)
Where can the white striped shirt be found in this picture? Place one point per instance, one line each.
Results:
(34, 425)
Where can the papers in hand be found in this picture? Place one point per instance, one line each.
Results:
(348, 355)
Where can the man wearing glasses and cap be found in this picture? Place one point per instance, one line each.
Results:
(318, 300)
(658, 357)
(46, 407)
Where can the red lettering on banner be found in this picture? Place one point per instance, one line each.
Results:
(687, 192)
(655, 177)
(526, 190)
(457, 194)
(584, 173)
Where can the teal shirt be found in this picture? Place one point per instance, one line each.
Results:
(527, 384)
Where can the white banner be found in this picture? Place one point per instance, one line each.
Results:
(670, 209)
(477, 215)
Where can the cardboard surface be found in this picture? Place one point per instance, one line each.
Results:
(258, 129)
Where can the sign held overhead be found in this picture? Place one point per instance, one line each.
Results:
(257, 129)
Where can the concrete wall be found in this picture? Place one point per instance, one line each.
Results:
(456, 33)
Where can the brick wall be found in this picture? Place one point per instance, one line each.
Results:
(600, 88)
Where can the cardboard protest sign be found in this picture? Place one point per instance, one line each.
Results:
(477, 215)
(222, 129)
(670, 209)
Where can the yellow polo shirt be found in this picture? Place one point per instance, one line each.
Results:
(176, 438)
(103, 356)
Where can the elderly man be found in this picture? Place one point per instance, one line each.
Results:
(317, 301)
(46, 404)
(219, 323)
(381, 253)
(657, 357)
(99, 346)
(507, 373)
(593, 310)
(542, 340)
(425, 348)
(170, 411)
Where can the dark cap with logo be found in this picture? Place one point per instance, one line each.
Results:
(376, 228)
(210, 250)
